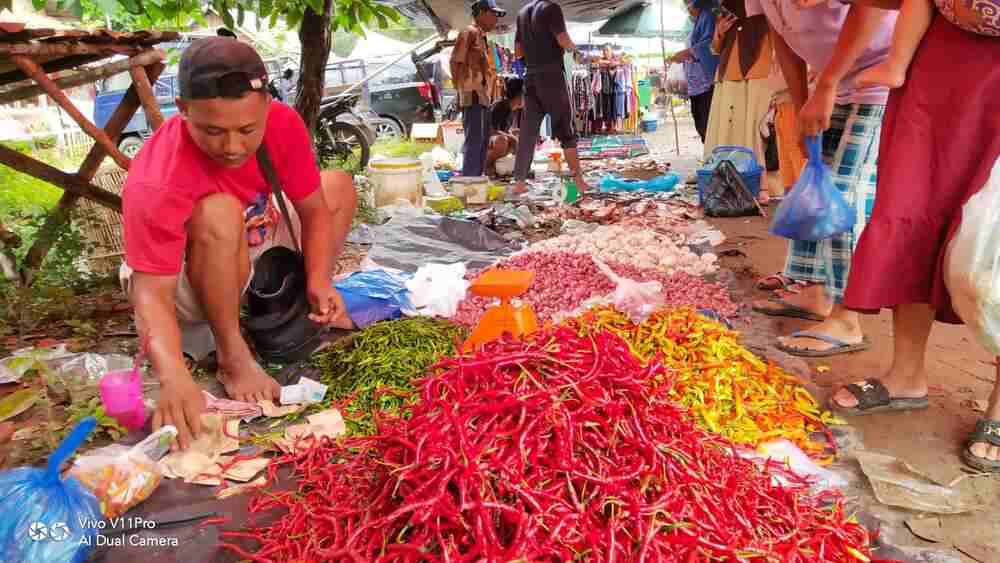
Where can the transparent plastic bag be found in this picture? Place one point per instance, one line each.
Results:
(638, 300)
(55, 519)
(814, 209)
(122, 476)
(972, 264)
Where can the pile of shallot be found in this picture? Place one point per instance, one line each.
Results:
(633, 247)
(564, 280)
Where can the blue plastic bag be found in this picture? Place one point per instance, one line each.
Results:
(814, 209)
(49, 519)
(664, 183)
(373, 296)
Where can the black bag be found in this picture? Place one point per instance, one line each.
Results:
(771, 159)
(277, 320)
(727, 195)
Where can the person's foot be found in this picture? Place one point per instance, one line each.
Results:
(581, 185)
(827, 336)
(885, 74)
(520, 188)
(246, 381)
(984, 450)
(899, 387)
(811, 299)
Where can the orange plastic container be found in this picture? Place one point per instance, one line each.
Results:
(504, 318)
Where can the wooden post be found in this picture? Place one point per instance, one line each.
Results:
(140, 82)
(31, 68)
(55, 220)
(81, 77)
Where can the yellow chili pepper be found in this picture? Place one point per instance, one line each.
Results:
(726, 387)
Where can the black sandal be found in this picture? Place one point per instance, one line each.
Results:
(987, 431)
(873, 397)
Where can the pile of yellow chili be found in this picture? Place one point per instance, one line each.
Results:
(728, 389)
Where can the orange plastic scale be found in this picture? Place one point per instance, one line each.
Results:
(504, 318)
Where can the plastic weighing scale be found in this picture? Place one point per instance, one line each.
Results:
(503, 318)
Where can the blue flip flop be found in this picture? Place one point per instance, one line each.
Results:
(838, 346)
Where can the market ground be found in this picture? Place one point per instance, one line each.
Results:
(961, 373)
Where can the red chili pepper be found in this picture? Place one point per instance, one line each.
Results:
(559, 447)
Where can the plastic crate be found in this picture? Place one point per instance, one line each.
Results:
(649, 125)
(746, 164)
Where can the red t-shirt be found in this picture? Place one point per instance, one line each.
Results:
(170, 174)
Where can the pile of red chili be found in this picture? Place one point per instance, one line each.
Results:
(552, 449)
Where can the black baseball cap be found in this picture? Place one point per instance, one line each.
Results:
(220, 67)
(480, 6)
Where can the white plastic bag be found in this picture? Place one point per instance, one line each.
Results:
(436, 289)
(972, 264)
(798, 462)
(638, 300)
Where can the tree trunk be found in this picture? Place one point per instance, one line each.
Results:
(315, 37)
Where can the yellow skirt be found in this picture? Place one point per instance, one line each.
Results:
(737, 111)
(790, 156)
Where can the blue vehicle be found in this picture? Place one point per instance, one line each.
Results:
(111, 91)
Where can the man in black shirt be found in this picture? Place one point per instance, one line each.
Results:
(541, 39)
(503, 140)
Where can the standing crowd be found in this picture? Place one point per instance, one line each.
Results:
(899, 91)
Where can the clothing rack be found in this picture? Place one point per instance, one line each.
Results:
(605, 97)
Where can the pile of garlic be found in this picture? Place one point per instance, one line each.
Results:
(637, 247)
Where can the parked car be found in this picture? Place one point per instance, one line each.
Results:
(399, 94)
(110, 92)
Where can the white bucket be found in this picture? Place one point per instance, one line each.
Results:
(454, 136)
(395, 179)
(475, 189)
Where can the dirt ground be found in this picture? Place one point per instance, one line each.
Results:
(961, 373)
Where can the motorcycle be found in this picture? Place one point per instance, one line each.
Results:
(343, 135)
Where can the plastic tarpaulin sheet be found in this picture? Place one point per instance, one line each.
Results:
(407, 242)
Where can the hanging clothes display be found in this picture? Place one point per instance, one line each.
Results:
(605, 97)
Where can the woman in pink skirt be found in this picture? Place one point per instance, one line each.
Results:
(940, 140)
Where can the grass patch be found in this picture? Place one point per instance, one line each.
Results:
(22, 194)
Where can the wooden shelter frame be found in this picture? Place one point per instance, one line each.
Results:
(27, 58)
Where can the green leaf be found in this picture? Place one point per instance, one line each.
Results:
(293, 19)
(315, 5)
(240, 15)
(383, 22)
(39, 4)
(17, 402)
(265, 9)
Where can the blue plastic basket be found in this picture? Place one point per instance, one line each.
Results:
(649, 125)
(746, 164)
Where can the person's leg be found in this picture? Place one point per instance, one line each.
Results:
(700, 106)
(218, 266)
(554, 96)
(851, 149)
(915, 18)
(804, 263)
(528, 138)
(907, 376)
(473, 152)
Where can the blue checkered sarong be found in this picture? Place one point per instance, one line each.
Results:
(850, 149)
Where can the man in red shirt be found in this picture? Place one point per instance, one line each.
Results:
(188, 257)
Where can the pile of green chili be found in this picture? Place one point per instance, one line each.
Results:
(372, 371)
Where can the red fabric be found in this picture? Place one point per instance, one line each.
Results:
(171, 174)
(940, 139)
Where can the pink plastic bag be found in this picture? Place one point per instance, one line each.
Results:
(638, 300)
(121, 393)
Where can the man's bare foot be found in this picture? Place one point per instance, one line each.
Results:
(246, 381)
(520, 188)
(581, 185)
(885, 74)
